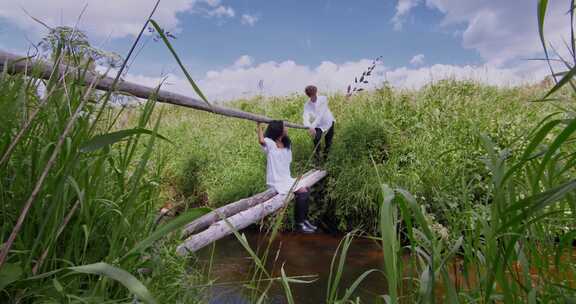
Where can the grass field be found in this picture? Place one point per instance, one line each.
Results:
(426, 141)
(456, 173)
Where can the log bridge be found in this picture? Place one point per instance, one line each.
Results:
(216, 224)
(238, 215)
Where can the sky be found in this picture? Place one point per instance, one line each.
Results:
(229, 46)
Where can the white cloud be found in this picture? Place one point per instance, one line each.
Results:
(248, 19)
(417, 59)
(284, 78)
(486, 74)
(243, 61)
(117, 18)
(501, 31)
(403, 7)
(222, 11)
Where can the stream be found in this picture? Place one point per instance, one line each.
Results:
(301, 254)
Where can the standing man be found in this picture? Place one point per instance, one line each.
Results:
(319, 120)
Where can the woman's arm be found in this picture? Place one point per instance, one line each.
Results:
(260, 131)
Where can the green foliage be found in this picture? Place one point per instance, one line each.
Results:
(75, 47)
(97, 203)
(445, 151)
(424, 141)
(479, 180)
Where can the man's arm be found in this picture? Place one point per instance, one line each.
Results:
(322, 107)
(306, 116)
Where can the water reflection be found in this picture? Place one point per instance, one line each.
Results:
(301, 255)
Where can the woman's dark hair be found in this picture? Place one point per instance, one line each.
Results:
(275, 130)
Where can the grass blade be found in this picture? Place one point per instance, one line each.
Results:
(286, 286)
(350, 290)
(541, 10)
(171, 226)
(9, 274)
(120, 275)
(105, 140)
(169, 45)
(389, 241)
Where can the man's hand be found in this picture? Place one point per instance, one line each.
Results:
(312, 132)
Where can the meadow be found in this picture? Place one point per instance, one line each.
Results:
(454, 178)
(424, 141)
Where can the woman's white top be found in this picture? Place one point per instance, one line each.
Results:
(278, 167)
(317, 114)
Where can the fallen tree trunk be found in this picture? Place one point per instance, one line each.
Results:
(226, 211)
(20, 64)
(229, 210)
(244, 218)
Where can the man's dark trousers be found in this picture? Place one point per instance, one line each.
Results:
(327, 142)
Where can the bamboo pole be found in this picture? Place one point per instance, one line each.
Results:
(18, 64)
(243, 219)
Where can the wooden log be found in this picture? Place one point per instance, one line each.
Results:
(226, 211)
(229, 210)
(243, 219)
(19, 64)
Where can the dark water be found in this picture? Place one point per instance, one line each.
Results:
(301, 255)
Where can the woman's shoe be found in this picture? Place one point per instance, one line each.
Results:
(303, 228)
(307, 223)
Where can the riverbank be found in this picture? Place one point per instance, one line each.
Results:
(426, 141)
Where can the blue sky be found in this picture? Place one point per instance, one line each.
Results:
(324, 41)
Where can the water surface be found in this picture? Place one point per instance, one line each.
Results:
(301, 254)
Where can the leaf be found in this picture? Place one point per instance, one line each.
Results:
(569, 75)
(286, 286)
(120, 275)
(174, 224)
(350, 290)
(426, 283)
(542, 7)
(190, 80)
(388, 224)
(539, 137)
(104, 140)
(355, 79)
(561, 139)
(360, 89)
(536, 203)
(57, 285)
(349, 88)
(9, 273)
(336, 271)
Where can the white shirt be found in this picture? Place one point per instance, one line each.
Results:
(319, 113)
(278, 167)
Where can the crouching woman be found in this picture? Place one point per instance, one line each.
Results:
(276, 145)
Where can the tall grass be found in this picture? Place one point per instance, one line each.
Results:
(78, 197)
(480, 206)
(529, 219)
(468, 188)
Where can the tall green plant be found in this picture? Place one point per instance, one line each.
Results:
(74, 196)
